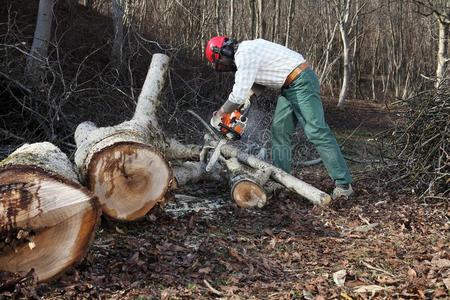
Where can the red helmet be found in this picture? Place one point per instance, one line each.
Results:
(212, 50)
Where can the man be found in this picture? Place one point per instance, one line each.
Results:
(271, 65)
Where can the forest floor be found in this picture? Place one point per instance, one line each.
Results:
(380, 244)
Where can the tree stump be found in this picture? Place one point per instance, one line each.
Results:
(47, 219)
(124, 165)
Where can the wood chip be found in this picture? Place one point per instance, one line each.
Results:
(32, 245)
(339, 277)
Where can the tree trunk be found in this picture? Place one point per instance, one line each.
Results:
(39, 49)
(253, 13)
(217, 17)
(259, 29)
(276, 18)
(443, 55)
(346, 68)
(246, 184)
(290, 182)
(47, 219)
(124, 165)
(288, 23)
(343, 13)
(118, 8)
(231, 20)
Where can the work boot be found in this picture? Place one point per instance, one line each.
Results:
(342, 190)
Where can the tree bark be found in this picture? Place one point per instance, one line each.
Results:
(288, 23)
(246, 184)
(47, 219)
(118, 8)
(343, 12)
(39, 49)
(124, 165)
(443, 53)
(290, 182)
(231, 20)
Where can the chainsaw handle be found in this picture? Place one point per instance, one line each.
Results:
(236, 134)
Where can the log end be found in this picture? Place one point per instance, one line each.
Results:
(129, 179)
(46, 221)
(247, 194)
(325, 199)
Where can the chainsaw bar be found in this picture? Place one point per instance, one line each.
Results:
(216, 154)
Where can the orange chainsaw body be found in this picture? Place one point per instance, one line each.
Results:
(233, 124)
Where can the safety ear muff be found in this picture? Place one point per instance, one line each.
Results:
(227, 51)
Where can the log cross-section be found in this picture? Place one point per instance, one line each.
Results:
(125, 165)
(47, 219)
(290, 182)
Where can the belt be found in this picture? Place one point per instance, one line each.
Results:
(295, 73)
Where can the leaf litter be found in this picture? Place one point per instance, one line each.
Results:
(376, 245)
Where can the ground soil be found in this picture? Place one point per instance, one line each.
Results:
(389, 244)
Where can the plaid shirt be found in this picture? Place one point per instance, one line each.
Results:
(262, 62)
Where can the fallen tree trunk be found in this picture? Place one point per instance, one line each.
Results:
(125, 165)
(292, 183)
(47, 219)
(246, 184)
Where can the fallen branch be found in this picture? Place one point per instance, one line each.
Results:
(292, 183)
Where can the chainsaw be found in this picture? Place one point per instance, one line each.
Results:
(233, 124)
(232, 127)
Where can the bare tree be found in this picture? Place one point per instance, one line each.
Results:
(441, 10)
(118, 10)
(342, 10)
(231, 19)
(39, 49)
(288, 23)
(259, 28)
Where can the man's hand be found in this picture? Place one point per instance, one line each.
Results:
(216, 119)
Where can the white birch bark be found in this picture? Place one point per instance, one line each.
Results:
(231, 19)
(124, 164)
(292, 183)
(39, 49)
(118, 9)
(443, 51)
(288, 22)
(343, 12)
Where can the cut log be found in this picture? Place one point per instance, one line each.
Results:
(124, 165)
(247, 193)
(194, 171)
(246, 184)
(47, 219)
(292, 183)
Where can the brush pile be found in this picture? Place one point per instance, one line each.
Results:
(422, 144)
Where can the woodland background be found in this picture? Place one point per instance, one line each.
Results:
(99, 51)
(393, 123)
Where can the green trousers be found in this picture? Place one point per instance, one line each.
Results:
(301, 103)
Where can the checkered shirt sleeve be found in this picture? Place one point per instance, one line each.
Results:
(264, 63)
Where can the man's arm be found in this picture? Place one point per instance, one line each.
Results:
(247, 68)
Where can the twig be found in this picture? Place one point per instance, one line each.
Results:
(16, 82)
(377, 269)
(213, 290)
